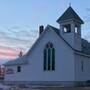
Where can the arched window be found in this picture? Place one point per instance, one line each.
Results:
(49, 57)
(67, 28)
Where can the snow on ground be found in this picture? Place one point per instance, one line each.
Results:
(4, 87)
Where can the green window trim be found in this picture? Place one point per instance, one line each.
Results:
(53, 59)
(49, 58)
(45, 62)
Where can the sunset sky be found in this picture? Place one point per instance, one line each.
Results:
(20, 19)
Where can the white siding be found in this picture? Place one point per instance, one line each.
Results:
(64, 62)
(79, 74)
(17, 76)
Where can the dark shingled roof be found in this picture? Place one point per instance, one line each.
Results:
(55, 29)
(84, 43)
(70, 14)
(19, 61)
(85, 46)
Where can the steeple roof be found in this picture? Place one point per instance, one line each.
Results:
(70, 14)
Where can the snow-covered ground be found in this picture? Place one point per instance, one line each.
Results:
(4, 87)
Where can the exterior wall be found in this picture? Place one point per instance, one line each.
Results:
(64, 62)
(79, 74)
(16, 76)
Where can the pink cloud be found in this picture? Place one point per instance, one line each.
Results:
(6, 52)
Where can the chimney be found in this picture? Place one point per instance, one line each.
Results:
(41, 29)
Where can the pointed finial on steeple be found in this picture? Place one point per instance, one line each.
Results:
(70, 4)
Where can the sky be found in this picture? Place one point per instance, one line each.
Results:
(20, 20)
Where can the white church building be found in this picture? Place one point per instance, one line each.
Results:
(59, 55)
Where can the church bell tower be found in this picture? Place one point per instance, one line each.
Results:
(70, 28)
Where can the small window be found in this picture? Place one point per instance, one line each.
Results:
(67, 28)
(19, 69)
(76, 29)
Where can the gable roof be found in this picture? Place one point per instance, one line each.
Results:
(83, 52)
(19, 61)
(57, 31)
(70, 14)
(24, 59)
